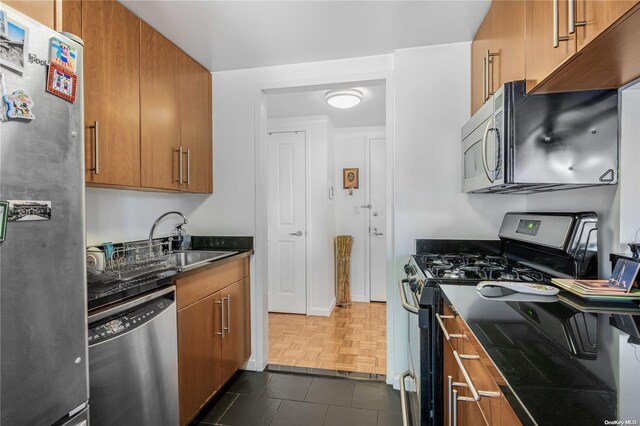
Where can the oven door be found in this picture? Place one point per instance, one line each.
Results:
(410, 379)
(483, 150)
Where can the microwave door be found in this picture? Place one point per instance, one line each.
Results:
(482, 158)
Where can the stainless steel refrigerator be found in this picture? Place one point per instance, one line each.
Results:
(43, 317)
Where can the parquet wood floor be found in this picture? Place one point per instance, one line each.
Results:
(353, 338)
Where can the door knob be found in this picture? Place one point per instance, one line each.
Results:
(298, 234)
(366, 206)
(376, 233)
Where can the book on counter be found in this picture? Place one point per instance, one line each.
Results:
(620, 285)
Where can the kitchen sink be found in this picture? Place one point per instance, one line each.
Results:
(184, 260)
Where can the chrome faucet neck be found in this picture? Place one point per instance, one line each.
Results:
(158, 220)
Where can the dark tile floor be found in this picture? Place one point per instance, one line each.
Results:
(285, 399)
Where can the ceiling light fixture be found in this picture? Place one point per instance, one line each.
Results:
(343, 98)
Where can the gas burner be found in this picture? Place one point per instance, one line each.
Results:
(442, 271)
(496, 260)
(455, 259)
(527, 274)
(473, 272)
(470, 259)
(500, 273)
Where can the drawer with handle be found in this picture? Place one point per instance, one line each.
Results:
(471, 392)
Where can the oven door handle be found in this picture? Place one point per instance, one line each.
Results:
(404, 404)
(403, 300)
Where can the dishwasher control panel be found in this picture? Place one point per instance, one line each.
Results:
(126, 321)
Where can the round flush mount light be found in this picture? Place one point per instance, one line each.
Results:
(343, 98)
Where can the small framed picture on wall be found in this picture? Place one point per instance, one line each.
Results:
(350, 178)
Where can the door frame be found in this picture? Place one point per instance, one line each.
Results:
(259, 292)
(367, 250)
(306, 129)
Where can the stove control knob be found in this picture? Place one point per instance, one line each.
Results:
(413, 284)
(407, 269)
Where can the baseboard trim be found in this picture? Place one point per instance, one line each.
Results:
(359, 298)
(250, 365)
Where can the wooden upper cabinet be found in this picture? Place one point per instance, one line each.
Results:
(501, 47)
(43, 11)
(196, 124)
(159, 112)
(541, 55)
(597, 16)
(112, 104)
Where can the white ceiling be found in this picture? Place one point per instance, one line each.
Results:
(370, 112)
(226, 35)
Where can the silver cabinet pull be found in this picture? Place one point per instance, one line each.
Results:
(454, 414)
(572, 18)
(188, 166)
(221, 303)
(556, 26)
(447, 336)
(488, 62)
(228, 314)
(484, 79)
(96, 147)
(449, 396)
(180, 154)
(297, 234)
(403, 300)
(223, 327)
(465, 374)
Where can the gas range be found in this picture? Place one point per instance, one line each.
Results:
(532, 247)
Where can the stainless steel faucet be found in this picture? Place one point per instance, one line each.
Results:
(162, 216)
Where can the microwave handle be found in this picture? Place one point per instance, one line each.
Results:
(485, 164)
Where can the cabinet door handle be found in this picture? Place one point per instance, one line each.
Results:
(556, 26)
(571, 16)
(454, 414)
(484, 79)
(228, 314)
(188, 166)
(489, 73)
(180, 154)
(96, 147)
(447, 336)
(221, 303)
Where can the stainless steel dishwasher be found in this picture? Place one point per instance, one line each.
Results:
(133, 362)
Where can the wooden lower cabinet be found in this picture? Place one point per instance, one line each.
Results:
(235, 351)
(214, 333)
(199, 354)
(492, 408)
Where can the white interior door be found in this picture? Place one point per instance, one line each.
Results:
(287, 223)
(377, 219)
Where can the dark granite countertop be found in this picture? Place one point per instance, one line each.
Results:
(565, 362)
(243, 246)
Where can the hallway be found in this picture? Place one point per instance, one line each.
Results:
(352, 339)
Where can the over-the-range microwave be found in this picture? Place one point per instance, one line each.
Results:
(519, 143)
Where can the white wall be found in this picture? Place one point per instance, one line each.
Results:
(432, 105)
(321, 226)
(351, 151)
(117, 215)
